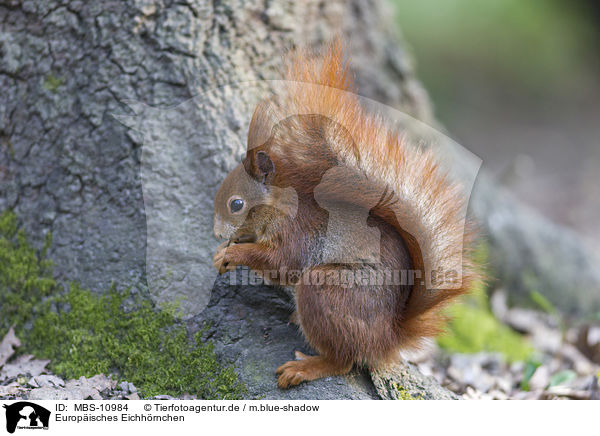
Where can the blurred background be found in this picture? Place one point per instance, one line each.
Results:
(518, 83)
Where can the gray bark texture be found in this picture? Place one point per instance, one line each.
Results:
(68, 166)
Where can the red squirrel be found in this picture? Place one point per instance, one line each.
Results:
(317, 143)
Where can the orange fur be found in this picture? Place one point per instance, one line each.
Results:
(321, 84)
(316, 125)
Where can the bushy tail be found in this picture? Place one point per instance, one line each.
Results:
(428, 208)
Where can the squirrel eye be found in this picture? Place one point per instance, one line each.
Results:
(236, 205)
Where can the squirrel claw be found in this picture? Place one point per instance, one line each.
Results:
(290, 374)
(243, 239)
(308, 368)
(300, 356)
(219, 259)
(294, 319)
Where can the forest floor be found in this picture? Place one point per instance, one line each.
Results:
(565, 365)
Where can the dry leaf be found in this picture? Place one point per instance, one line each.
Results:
(100, 382)
(7, 346)
(10, 389)
(82, 389)
(23, 365)
(46, 380)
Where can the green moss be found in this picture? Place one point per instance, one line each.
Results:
(473, 327)
(25, 275)
(86, 334)
(404, 394)
(51, 83)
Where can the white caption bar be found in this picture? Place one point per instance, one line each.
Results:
(298, 417)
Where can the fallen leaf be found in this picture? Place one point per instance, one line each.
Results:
(562, 377)
(8, 345)
(10, 389)
(46, 380)
(100, 382)
(81, 389)
(50, 393)
(530, 368)
(23, 365)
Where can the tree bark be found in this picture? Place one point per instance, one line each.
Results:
(69, 167)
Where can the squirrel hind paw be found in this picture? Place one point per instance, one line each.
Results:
(300, 355)
(308, 368)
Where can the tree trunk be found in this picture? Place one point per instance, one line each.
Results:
(69, 167)
(531, 254)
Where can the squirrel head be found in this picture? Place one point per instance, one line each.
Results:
(284, 160)
(247, 202)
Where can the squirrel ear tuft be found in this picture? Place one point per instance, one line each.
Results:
(264, 165)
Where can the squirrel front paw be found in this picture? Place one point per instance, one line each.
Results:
(294, 318)
(220, 261)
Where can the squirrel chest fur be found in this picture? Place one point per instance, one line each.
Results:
(331, 202)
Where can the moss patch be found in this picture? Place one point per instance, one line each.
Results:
(404, 394)
(85, 334)
(25, 275)
(51, 83)
(474, 328)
